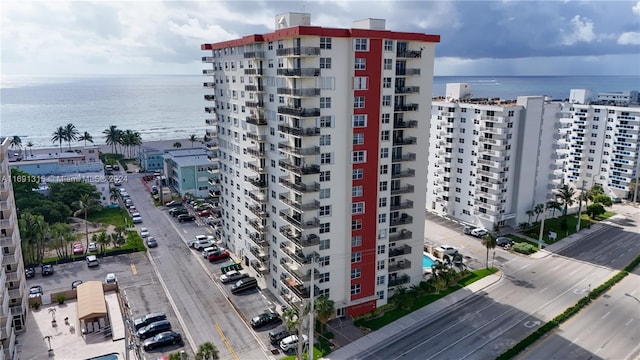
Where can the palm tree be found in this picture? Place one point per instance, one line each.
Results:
(112, 137)
(554, 205)
(16, 141)
(86, 137)
(177, 144)
(193, 138)
(538, 209)
(291, 318)
(103, 240)
(565, 194)
(59, 136)
(325, 308)
(85, 205)
(489, 241)
(207, 351)
(33, 231)
(30, 145)
(71, 133)
(114, 194)
(530, 213)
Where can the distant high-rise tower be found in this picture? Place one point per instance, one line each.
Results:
(13, 294)
(321, 138)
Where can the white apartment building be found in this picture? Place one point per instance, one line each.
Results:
(321, 135)
(13, 291)
(600, 144)
(490, 160)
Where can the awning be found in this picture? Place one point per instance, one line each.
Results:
(91, 302)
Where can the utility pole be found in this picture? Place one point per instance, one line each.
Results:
(635, 191)
(580, 206)
(544, 213)
(311, 305)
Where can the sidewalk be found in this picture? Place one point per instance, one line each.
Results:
(377, 338)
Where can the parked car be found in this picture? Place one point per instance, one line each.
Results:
(75, 284)
(479, 232)
(35, 291)
(144, 232)
(145, 320)
(244, 284)
(203, 207)
(152, 242)
(78, 249)
(210, 250)
(218, 255)
(163, 339)
(173, 203)
(46, 270)
(447, 249)
(136, 218)
(110, 278)
(468, 229)
(186, 218)
(204, 213)
(92, 261)
(29, 272)
(201, 243)
(503, 241)
(291, 342)
(153, 329)
(276, 335)
(179, 211)
(93, 247)
(232, 276)
(265, 319)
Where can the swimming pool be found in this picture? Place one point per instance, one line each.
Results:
(112, 356)
(427, 262)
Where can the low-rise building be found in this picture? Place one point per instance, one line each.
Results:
(187, 171)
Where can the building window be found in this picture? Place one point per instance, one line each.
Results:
(325, 140)
(361, 45)
(358, 138)
(325, 193)
(355, 289)
(324, 260)
(358, 121)
(356, 240)
(358, 102)
(360, 64)
(355, 273)
(382, 202)
(358, 157)
(325, 210)
(386, 100)
(325, 158)
(382, 218)
(383, 186)
(325, 228)
(357, 208)
(381, 249)
(385, 118)
(325, 103)
(326, 121)
(384, 153)
(388, 45)
(324, 277)
(360, 83)
(356, 257)
(356, 224)
(386, 83)
(357, 174)
(380, 280)
(325, 43)
(325, 176)
(356, 191)
(388, 64)
(325, 244)
(325, 63)
(384, 135)
(384, 169)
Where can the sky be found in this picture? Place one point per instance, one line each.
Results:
(508, 37)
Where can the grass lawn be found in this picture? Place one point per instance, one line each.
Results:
(109, 216)
(572, 222)
(423, 300)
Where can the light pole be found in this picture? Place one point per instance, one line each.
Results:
(544, 213)
(580, 207)
(311, 318)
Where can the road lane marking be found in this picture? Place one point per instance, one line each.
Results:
(543, 290)
(628, 322)
(226, 341)
(573, 272)
(605, 315)
(134, 269)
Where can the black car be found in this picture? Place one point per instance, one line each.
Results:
(503, 241)
(278, 334)
(29, 272)
(162, 339)
(173, 203)
(179, 212)
(265, 319)
(47, 270)
(75, 284)
(186, 217)
(153, 329)
(147, 319)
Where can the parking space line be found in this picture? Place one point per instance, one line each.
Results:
(134, 269)
(226, 342)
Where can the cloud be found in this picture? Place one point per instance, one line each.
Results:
(629, 38)
(582, 31)
(636, 8)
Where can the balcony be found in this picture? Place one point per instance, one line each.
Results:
(313, 205)
(298, 256)
(209, 84)
(308, 92)
(401, 250)
(298, 223)
(312, 150)
(256, 168)
(299, 51)
(257, 88)
(298, 131)
(405, 157)
(210, 109)
(299, 186)
(297, 238)
(298, 273)
(257, 224)
(402, 190)
(258, 182)
(402, 205)
(208, 72)
(258, 211)
(259, 267)
(254, 104)
(403, 174)
(258, 120)
(300, 72)
(408, 54)
(404, 279)
(256, 152)
(298, 289)
(258, 253)
(258, 197)
(257, 72)
(402, 235)
(404, 219)
(256, 137)
(254, 55)
(298, 111)
(407, 72)
(10, 259)
(405, 124)
(212, 122)
(300, 170)
(405, 107)
(408, 90)
(210, 97)
(399, 265)
(407, 140)
(259, 240)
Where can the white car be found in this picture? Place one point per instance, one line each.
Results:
(93, 247)
(232, 276)
(110, 278)
(480, 232)
(144, 232)
(201, 242)
(447, 249)
(291, 342)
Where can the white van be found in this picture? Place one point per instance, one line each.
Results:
(291, 342)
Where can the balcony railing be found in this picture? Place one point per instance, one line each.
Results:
(399, 265)
(298, 255)
(298, 289)
(402, 235)
(402, 220)
(306, 72)
(403, 174)
(259, 267)
(299, 51)
(408, 90)
(258, 120)
(209, 84)
(407, 140)
(257, 224)
(404, 279)
(402, 190)
(405, 157)
(258, 238)
(300, 170)
(300, 274)
(210, 109)
(407, 72)
(401, 250)
(258, 253)
(298, 131)
(258, 211)
(406, 107)
(299, 112)
(258, 197)
(256, 137)
(405, 124)
(256, 168)
(403, 205)
(299, 186)
(257, 182)
(256, 152)
(254, 55)
(409, 54)
(313, 205)
(211, 121)
(254, 104)
(299, 92)
(210, 97)
(208, 72)
(312, 150)
(254, 88)
(297, 238)
(253, 72)
(309, 224)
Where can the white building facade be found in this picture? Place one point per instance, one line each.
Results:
(321, 135)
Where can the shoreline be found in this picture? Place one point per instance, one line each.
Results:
(104, 148)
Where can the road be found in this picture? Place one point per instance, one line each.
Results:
(202, 308)
(608, 329)
(531, 292)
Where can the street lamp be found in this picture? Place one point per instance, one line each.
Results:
(580, 207)
(544, 213)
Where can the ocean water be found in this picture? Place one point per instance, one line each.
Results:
(164, 107)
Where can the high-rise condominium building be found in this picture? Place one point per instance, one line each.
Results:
(321, 136)
(13, 294)
(490, 160)
(600, 142)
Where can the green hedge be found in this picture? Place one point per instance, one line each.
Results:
(549, 326)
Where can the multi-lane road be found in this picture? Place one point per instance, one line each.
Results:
(531, 292)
